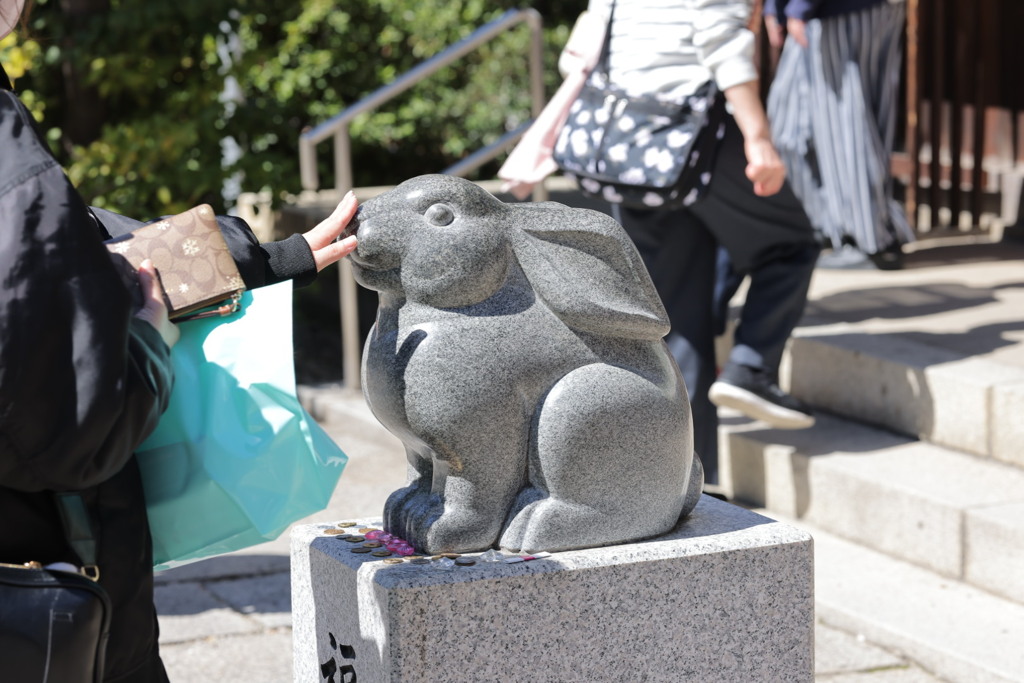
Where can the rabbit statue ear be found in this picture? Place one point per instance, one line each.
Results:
(583, 265)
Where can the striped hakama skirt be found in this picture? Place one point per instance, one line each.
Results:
(832, 108)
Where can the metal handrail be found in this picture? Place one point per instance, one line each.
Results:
(338, 128)
(482, 156)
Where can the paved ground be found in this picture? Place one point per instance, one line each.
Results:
(229, 618)
(966, 298)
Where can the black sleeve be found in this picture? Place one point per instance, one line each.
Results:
(290, 259)
(91, 455)
(82, 382)
(259, 264)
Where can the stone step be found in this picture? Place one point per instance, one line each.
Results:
(955, 631)
(955, 514)
(938, 395)
(934, 351)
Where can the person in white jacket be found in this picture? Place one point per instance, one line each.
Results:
(670, 48)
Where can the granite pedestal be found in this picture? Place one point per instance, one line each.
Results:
(726, 596)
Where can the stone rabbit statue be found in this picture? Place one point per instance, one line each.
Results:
(518, 355)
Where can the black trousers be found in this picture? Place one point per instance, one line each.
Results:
(697, 256)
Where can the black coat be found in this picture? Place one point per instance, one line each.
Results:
(83, 382)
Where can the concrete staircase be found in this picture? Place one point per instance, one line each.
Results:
(912, 480)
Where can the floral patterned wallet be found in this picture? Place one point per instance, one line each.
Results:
(192, 260)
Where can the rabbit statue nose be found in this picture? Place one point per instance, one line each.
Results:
(352, 227)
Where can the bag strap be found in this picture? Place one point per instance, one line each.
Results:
(77, 523)
(708, 92)
(602, 62)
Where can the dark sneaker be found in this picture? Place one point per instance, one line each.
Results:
(755, 394)
(890, 258)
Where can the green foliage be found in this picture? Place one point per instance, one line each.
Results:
(146, 74)
(141, 122)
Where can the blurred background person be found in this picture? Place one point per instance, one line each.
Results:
(670, 48)
(832, 107)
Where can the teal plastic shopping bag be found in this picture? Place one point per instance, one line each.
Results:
(235, 459)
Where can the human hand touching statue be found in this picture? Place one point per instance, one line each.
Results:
(322, 238)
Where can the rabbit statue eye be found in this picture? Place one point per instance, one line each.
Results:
(440, 214)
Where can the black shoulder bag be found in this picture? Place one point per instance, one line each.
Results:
(54, 624)
(639, 151)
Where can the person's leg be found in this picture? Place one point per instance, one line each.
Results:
(888, 28)
(679, 254)
(771, 239)
(773, 306)
(727, 283)
(126, 565)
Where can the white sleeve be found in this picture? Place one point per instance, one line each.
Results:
(600, 7)
(725, 46)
